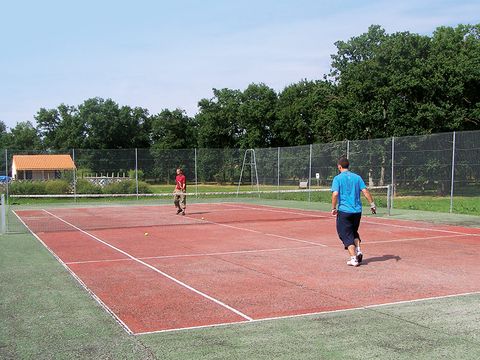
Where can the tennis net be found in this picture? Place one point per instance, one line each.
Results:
(44, 213)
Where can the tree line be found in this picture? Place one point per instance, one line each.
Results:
(379, 85)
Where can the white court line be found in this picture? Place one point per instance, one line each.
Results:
(268, 208)
(82, 284)
(415, 239)
(194, 255)
(255, 251)
(216, 301)
(309, 314)
(245, 207)
(260, 232)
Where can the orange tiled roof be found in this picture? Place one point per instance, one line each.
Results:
(43, 162)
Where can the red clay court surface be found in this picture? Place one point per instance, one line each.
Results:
(230, 263)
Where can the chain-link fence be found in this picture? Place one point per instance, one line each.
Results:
(444, 165)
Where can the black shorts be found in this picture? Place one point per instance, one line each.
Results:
(347, 227)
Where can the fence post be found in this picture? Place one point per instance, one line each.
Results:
(348, 149)
(3, 218)
(278, 168)
(6, 174)
(74, 177)
(136, 170)
(196, 179)
(393, 172)
(453, 173)
(310, 174)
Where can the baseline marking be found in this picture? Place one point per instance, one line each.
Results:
(216, 301)
(366, 307)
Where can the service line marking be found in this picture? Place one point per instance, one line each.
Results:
(195, 255)
(269, 208)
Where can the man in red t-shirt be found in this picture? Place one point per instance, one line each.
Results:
(180, 199)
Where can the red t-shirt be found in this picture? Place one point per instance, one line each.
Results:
(180, 179)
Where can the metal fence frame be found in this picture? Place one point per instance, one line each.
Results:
(373, 159)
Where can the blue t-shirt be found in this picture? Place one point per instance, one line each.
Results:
(349, 186)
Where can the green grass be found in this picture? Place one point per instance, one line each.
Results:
(46, 314)
(461, 204)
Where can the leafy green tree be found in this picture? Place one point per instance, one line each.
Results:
(257, 116)
(24, 136)
(173, 130)
(455, 86)
(218, 119)
(61, 128)
(406, 84)
(107, 125)
(303, 113)
(3, 135)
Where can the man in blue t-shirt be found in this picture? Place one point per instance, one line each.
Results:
(346, 189)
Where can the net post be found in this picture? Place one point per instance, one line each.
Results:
(3, 217)
(136, 170)
(389, 199)
(453, 172)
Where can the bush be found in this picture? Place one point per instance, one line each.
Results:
(57, 187)
(144, 188)
(27, 188)
(127, 187)
(86, 187)
(140, 174)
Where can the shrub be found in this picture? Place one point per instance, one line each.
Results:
(127, 187)
(27, 188)
(144, 188)
(86, 187)
(140, 174)
(57, 187)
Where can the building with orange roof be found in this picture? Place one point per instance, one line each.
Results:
(40, 167)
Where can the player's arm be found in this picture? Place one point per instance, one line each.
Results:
(369, 198)
(334, 202)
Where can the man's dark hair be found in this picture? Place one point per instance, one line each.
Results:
(343, 162)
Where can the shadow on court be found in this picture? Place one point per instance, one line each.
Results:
(381, 258)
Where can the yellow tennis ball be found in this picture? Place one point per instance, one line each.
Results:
(146, 234)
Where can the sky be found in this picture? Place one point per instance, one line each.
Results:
(171, 54)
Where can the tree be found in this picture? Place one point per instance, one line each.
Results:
(24, 136)
(303, 113)
(3, 135)
(61, 128)
(173, 130)
(257, 116)
(218, 119)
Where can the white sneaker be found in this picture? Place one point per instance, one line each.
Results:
(359, 257)
(353, 262)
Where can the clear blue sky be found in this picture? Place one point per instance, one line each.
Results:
(169, 54)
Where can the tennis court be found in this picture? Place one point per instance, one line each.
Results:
(227, 263)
